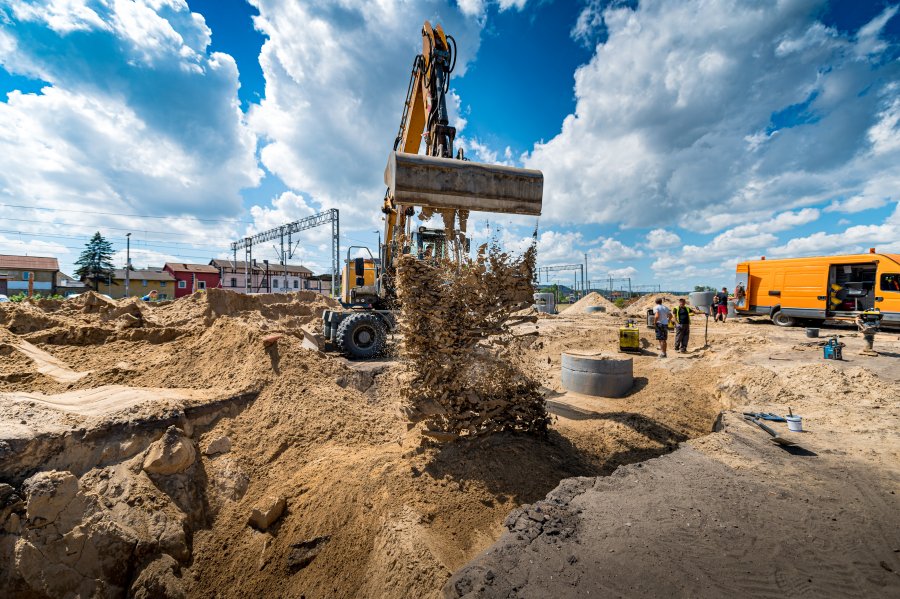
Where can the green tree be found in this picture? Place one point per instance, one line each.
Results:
(95, 262)
(703, 288)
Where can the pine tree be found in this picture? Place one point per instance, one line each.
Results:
(95, 264)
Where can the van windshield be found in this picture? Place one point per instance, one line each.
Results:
(890, 282)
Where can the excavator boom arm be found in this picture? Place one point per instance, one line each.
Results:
(439, 181)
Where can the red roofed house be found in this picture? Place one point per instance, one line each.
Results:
(192, 277)
(17, 273)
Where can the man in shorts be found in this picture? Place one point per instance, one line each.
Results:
(661, 315)
(722, 310)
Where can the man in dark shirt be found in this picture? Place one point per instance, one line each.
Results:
(722, 309)
(682, 316)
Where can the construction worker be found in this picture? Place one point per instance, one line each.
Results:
(682, 316)
(150, 296)
(661, 315)
(722, 304)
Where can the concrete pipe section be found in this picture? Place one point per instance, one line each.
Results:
(594, 309)
(594, 374)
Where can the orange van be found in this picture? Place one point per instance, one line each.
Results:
(820, 287)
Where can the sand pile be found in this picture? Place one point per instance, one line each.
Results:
(91, 319)
(202, 308)
(205, 340)
(591, 299)
(453, 326)
(646, 302)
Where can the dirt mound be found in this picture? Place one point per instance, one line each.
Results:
(459, 380)
(646, 302)
(591, 299)
(91, 319)
(205, 307)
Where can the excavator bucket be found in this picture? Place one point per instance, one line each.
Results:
(450, 184)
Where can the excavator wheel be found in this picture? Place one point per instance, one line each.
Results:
(361, 336)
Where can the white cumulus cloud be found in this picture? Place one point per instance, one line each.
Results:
(336, 80)
(662, 238)
(137, 117)
(730, 108)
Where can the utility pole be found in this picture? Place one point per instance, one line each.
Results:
(127, 262)
(583, 288)
(585, 270)
(284, 259)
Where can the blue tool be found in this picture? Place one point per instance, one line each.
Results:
(832, 349)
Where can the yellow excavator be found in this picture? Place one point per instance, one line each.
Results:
(438, 182)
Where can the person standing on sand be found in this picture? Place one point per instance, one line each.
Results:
(682, 316)
(150, 296)
(661, 316)
(722, 309)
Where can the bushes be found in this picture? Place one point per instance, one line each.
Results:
(37, 296)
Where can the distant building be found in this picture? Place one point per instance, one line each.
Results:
(277, 278)
(192, 277)
(66, 285)
(141, 282)
(322, 283)
(19, 273)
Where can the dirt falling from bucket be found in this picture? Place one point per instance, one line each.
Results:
(455, 319)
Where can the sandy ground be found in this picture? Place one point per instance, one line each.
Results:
(727, 515)
(152, 498)
(732, 512)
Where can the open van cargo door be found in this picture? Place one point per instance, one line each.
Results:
(742, 279)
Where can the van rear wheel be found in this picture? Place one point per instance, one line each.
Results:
(782, 319)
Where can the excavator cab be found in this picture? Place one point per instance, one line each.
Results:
(429, 243)
(359, 281)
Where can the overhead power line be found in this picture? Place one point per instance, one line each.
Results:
(170, 244)
(205, 220)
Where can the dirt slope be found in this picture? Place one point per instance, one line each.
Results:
(731, 514)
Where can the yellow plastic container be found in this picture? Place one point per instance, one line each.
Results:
(629, 339)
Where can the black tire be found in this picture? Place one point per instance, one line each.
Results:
(782, 319)
(361, 335)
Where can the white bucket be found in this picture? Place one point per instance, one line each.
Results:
(795, 424)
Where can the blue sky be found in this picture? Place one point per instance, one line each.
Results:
(676, 138)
